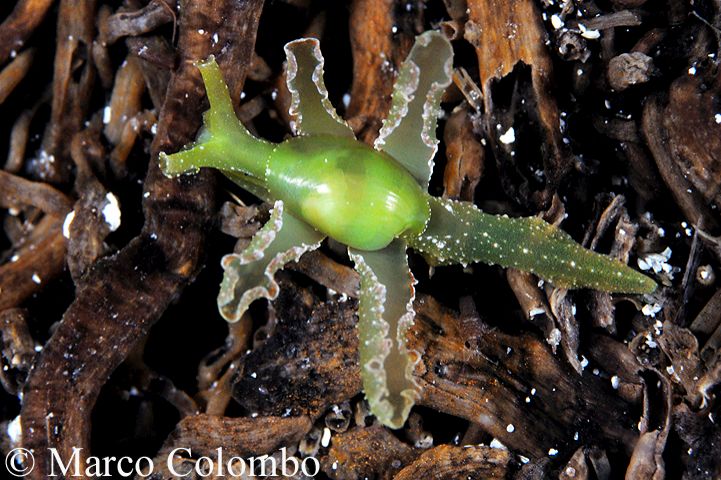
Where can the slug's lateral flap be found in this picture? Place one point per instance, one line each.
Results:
(250, 275)
(458, 232)
(409, 132)
(385, 314)
(310, 108)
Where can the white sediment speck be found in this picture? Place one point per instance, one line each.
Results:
(15, 431)
(554, 338)
(66, 224)
(650, 310)
(591, 34)
(508, 137)
(111, 212)
(495, 443)
(36, 278)
(556, 21)
(325, 439)
(658, 262)
(510, 428)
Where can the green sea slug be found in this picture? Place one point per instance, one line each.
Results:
(325, 183)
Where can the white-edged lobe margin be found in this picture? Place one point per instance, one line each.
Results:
(408, 133)
(404, 91)
(250, 275)
(385, 316)
(310, 108)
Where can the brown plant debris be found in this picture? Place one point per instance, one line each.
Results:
(296, 353)
(366, 451)
(506, 45)
(202, 435)
(472, 462)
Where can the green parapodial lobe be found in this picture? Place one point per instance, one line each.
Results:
(250, 274)
(310, 108)
(409, 131)
(385, 315)
(347, 190)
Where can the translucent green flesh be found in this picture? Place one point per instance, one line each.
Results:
(310, 108)
(250, 275)
(223, 143)
(385, 315)
(460, 233)
(409, 131)
(347, 190)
